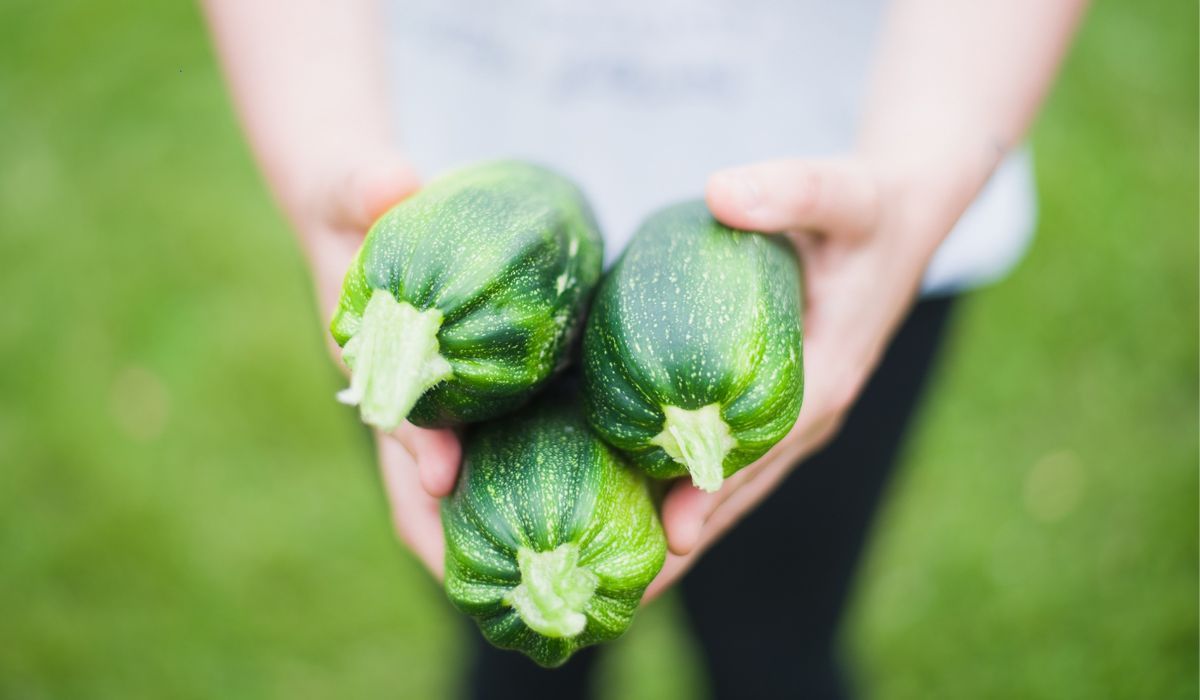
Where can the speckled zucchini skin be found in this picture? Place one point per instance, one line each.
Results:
(509, 253)
(539, 479)
(693, 314)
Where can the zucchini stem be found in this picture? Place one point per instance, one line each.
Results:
(699, 439)
(393, 360)
(553, 591)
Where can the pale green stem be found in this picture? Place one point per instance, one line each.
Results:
(699, 439)
(393, 359)
(553, 591)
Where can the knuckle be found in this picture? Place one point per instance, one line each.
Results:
(872, 201)
(808, 194)
(843, 399)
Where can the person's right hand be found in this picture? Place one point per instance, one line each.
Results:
(419, 466)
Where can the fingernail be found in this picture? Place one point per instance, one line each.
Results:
(742, 188)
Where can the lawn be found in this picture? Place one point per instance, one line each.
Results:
(186, 512)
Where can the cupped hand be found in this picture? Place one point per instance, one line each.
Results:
(864, 245)
(419, 465)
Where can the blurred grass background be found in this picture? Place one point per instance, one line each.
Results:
(186, 512)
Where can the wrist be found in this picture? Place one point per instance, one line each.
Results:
(946, 169)
(924, 195)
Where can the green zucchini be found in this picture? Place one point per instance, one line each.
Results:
(692, 355)
(551, 538)
(464, 298)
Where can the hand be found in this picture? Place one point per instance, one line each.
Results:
(864, 246)
(419, 466)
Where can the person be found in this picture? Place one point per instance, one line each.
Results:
(883, 141)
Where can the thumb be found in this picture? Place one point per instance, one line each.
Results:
(831, 196)
(361, 196)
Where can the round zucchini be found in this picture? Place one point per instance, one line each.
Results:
(692, 355)
(550, 538)
(464, 298)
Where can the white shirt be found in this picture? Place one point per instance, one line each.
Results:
(640, 100)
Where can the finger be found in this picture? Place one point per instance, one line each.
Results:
(422, 530)
(415, 515)
(744, 499)
(437, 454)
(673, 569)
(683, 498)
(684, 511)
(438, 457)
(831, 196)
(399, 468)
(687, 510)
(363, 195)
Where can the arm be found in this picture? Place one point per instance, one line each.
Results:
(310, 87)
(955, 86)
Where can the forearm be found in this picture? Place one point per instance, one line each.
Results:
(310, 87)
(956, 85)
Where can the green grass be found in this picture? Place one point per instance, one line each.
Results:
(186, 512)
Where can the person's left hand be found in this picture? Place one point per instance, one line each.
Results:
(419, 465)
(864, 236)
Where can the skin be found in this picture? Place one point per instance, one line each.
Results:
(955, 87)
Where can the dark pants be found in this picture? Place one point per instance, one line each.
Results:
(765, 602)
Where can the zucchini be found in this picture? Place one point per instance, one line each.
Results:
(464, 298)
(692, 356)
(551, 538)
